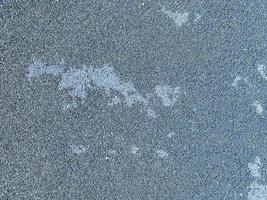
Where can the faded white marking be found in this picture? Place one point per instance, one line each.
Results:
(198, 16)
(161, 153)
(78, 149)
(168, 95)
(255, 167)
(256, 191)
(135, 99)
(38, 69)
(115, 101)
(262, 70)
(151, 113)
(178, 18)
(259, 107)
(171, 134)
(112, 152)
(106, 78)
(238, 79)
(70, 105)
(134, 149)
(77, 81)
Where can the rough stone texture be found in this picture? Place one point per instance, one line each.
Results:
(203, 137)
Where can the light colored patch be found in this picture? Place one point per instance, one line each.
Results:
(69, 105)
(178, 18)
(161, 153)
(135, 99)
(78, 149)
(77, 81)
(238, 79)
(256, 191)
(106, 78)
(134, 149)
(112, 152)
(171, 134)
(168, 95)
(38, 69)
(259, 107)
(151, 113)
(197, 17)
(254, 168)
(115, 101)
(262, 70)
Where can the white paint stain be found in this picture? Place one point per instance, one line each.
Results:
(78, 149)
(151, 113)
(70, 105)
(168, 95)
(161, 153)
(262, 70)
(112, 152)
(38, 69)
(197, 17)
(255, 167)
(259, 107)
(178, 18)
(171, 134)
(134, 149)
(238, 79)
(115, 101)
(256, 191)
(106, 79)
(77, 81)
(136, 99)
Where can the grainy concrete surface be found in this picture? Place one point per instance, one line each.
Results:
(192, 127)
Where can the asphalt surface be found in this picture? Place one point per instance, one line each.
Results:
(133, 99)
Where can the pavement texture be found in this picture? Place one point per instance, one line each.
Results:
(133, 100)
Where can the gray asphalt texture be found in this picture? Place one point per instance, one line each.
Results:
(208, 157)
